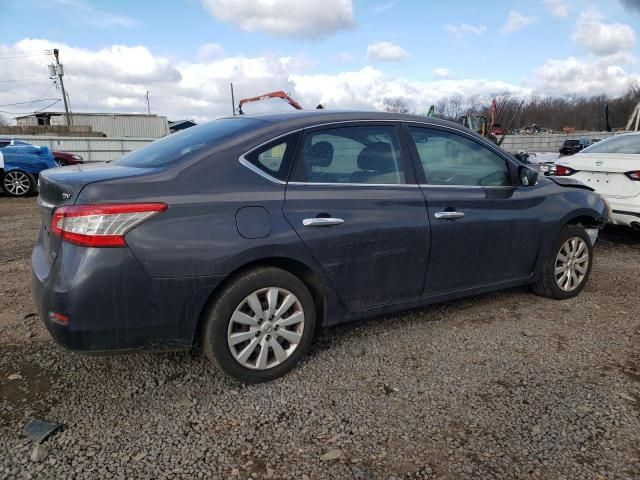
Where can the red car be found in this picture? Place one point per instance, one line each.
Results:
(61, 158)
(65, 158)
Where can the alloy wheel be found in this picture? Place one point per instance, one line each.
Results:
(572, 264)
(16, 183)
(266, 328)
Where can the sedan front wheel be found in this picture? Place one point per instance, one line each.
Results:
(567, 268)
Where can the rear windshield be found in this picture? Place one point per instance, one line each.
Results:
(179, 145)
(618, 144)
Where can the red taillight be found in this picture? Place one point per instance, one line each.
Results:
(563, 171)
(635, 175)
(59, 318)
(101, 225)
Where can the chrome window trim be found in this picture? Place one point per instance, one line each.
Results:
(243, 161)
(255, 169)
(337, 184)
(493, 187)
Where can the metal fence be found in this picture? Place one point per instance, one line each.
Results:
(91, 149)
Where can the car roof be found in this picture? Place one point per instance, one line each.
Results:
(306, 118)
(275, 124)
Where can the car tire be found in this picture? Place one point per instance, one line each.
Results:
(61, 162)
(17, 183)
(567, 268)
(253, 347)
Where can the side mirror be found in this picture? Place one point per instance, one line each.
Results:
(527, 176)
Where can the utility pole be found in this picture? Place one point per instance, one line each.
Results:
(59, 71)
(148, 107)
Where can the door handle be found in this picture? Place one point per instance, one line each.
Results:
(448, 215)
(321, 222)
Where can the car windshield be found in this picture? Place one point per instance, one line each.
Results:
(177, 146)
(571, 143)
(618, 144)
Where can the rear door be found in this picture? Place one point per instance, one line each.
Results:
(484, 228)
(353, 200)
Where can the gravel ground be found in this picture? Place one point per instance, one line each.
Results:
(507, 385)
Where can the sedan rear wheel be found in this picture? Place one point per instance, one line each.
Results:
(266, 328)
(260, 325)
(18, 183)
(566, 269)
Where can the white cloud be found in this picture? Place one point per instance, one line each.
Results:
(368, 87)
(442, 73)
(603, 38)
(308, 19)
(115, 79)
(463, 29)
(557, 8)
(573, 76)
(386, 51)
(209, 51)
(516, 21)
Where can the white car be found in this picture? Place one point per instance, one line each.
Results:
(612, 168)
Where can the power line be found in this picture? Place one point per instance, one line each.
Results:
(31, 80)
(32, 111)
(31, 101)
(40, 99)
(24, 54)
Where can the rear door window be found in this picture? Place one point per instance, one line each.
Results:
(358, 154)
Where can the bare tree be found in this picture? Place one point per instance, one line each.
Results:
(3, 121)
(553, 113)
(395, 105)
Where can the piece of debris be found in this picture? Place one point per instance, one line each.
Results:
(388, 389)
(139, 456)
(527, 333)
(360, 473)
(185, 403)
(30, 335)
(39, 453)
(331, 455)
(626, 397)
(40, 430)
(15, 376)
(30, 315)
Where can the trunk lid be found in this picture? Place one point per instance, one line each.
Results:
(61, 186)
(605, 172)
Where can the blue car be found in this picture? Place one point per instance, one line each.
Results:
(20, 166)
(246, 234)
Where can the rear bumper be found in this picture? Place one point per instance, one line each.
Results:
(112, 303)
(625, 212)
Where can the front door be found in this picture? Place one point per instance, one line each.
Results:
(484, 226)
(350, 201)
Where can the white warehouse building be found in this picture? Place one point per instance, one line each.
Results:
(113, 125)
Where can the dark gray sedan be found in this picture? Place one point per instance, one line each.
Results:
(249, 233)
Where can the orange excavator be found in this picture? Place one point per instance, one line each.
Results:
(267, 96)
